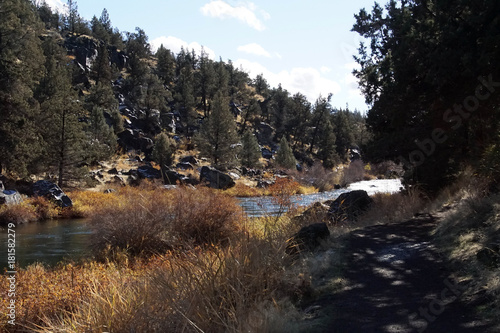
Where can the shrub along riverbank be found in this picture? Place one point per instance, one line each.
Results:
(189, 260)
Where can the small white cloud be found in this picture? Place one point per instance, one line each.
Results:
(175, 44)
(307, 81)
(277, 55)
(56, 5)
(325, 69)
(245, 13)
(254, 48)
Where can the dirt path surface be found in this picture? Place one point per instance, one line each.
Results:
(396, 282)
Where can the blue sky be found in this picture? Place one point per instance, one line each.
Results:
(306, 46)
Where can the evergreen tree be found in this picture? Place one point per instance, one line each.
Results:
(285, 157)
(163, 151)
(297, 123)
(279, 110)
(101, 67)
(327, 152)
(218, 136)
(165, 67)
(250, 150)
(261, 85)
(101, 140)
(184, 96)
(251, 114)
(21, 67)
(205, 80)
(60, 110)
(321, 113)
(344, 130)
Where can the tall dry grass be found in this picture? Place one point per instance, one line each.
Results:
(156, 220)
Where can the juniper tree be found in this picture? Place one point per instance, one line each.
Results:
(218, 137)
(250, 150)
(284, 157)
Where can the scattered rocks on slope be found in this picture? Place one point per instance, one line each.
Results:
(49, 190)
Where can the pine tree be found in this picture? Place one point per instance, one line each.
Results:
(285, 157)
(321, 112)
(21, 67)
(62, 133)
(205, 80)
(163, 150)
(218, 136)
(250, 150)
(101, 140)
(165, 67)
(327, 151)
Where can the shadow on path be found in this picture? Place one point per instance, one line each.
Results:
(397, 283)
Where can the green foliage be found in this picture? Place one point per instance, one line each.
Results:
(21, 68)
(250, 150)
(422, 62)
(101, 140)
(327, 151)
(165, 67)
(163, 150)
(285, 157)
(218, 133)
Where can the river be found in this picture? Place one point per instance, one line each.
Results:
(52, 241)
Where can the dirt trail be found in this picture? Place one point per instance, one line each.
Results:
(396, 283)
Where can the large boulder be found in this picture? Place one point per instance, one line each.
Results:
(49, 190)
(308, 238)
(171, 177)
(318, 212)
(349, 205)
(133, 139)
(10, 197)
(148, 172)
(216, 179)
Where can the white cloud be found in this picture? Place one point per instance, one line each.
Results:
(307, 81)
(245, 13)
(175, 44)
(56, 5)
(254, 48)
(325, 69)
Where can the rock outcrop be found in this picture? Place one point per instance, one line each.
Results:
(49, 190)
(10, 197)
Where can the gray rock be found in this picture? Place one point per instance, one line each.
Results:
(184, 166)
(349, 205)
(189, 159)
(10, 197)
(308, 238)
(49, 190)
(147, 171)
(216, 179)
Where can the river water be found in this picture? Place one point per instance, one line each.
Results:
(52, 241)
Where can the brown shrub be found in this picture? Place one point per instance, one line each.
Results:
(20, 213)
(353, 173)
(153, 221)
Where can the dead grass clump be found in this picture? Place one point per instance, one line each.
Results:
(20, 213)
(469, 236)
(397, 207)
(153, 221)
(242, 190)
